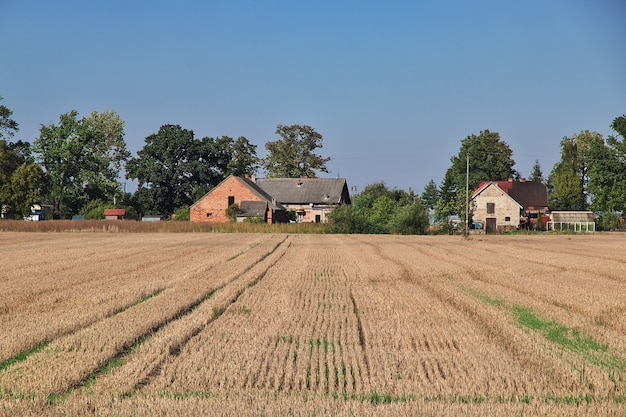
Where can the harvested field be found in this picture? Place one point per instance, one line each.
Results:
(152, 324)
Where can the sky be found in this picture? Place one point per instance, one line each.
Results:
(393, 87)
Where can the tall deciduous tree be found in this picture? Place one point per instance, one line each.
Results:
(82, 157)
(567, 183)
(8, 126)
(166, 168)
(174, 169)
(607, 171)
(490, 159)
(293, 155)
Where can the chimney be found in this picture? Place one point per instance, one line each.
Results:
(247, 176)
(510, 179)
(522, 180)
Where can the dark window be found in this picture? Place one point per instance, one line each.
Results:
(231, 200)
(507, 219)
(209, 214)
(318, 218)
(491, 208)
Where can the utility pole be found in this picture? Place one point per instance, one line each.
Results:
(467, 194)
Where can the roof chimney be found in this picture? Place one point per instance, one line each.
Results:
(522, 180)
(510, 179)
(247, 176)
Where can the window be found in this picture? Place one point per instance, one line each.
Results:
(491, 208)
(209, 215)
(507, 219)
(231, 200)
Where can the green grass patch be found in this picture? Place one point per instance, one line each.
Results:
(22, 356)
(557, 333)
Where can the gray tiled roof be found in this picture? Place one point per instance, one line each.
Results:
(252, 208)
(306, 190)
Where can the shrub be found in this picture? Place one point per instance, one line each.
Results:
(181, 214)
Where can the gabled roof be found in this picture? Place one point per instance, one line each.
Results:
(306, 190)
(488, 184)
(255, 189)
(114, 212)
(527, 193)
(572, 217)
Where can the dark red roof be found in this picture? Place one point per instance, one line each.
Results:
(531, 195)
(114, 212)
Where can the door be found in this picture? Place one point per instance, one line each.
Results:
(491, 224)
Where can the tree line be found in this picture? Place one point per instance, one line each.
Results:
(76, 166)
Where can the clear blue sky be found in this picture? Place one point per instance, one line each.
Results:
(392, 86)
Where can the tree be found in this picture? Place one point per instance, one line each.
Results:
(106, 152)
(536, 174)
(606, 184)
(12, 157)
(378, 209)
(21, 181)
(567, 183)
(243, 158)
(174, 169)
(430, 195)
(8, 126)
(82, 158)
(167, 168)
(490, 159)
(28, 184)
(293, 155)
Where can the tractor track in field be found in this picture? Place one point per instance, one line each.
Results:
(130, 341)
(483, 321)
(177, 349)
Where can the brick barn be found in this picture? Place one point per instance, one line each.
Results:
(251, 199)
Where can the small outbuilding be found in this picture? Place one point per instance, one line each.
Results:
(575, 221)
(114, 214)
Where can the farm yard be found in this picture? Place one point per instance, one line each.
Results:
(150, 324)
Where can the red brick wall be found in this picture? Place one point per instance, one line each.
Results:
(216, 201)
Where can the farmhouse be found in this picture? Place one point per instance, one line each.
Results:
(269, 198)
(502, 205)
(253, 202)
(310, 198)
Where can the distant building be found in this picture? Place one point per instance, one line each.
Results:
(502, 205)
(269, 198)
(114, 214)
(251, 199)
(310, 198)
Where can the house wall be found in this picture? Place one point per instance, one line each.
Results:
(310, 212)
(212, 207)
(504, 207)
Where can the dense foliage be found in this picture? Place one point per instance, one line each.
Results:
(378, 209)
(293, 155)
(174, 168)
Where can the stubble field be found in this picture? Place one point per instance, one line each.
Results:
(152, 324)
